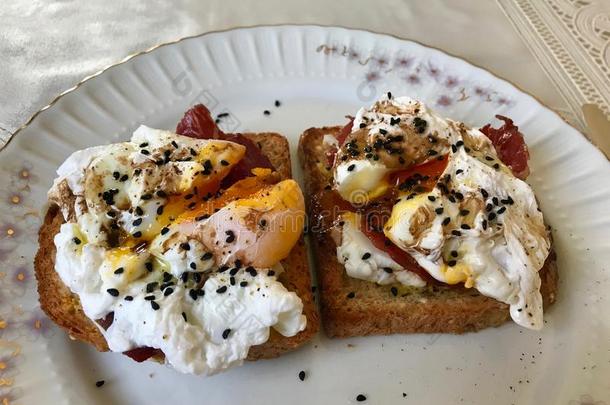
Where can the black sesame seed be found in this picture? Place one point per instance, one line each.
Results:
(154, 305)
(491, 216)
(501, 210)
(167, 277)
(302, 375)
(451, 263)
(161, 194)
(362, 125)
(459, 143)
(116, 175)
(226, 333)
(267, 112)
(193, 294)
(145, 152)
(243, 283)
(185, 246)
(432, 198)
(137, 234)
(150, 287)
(207, 256)
(222, 289)
(193, 265)
(224, 162)
(99, 383)
(351, 167)
(464, 212)
(160, 210)
(484, 224)
(232, 280)
(484, 193)
(188, 196)
(439, 210)
(174, 144)
(388, 270)
(453, 148)
(446, 221)
(137, 222)
(168, 291)
(351, 295)
(366, 256)
(146, 196)
(113, 291)
(197, 277)
(119, 270)
(432, 152)
(124, 178)
(394, 291)
(139, 211)
(271, 273)
(361, 398)
(128, 298)
(149, 266)
(489, 158)
(465, 226)
(495, 201)
(76, 241)
(455, 232)
(458, 171)
(496, 166)
(149, 298)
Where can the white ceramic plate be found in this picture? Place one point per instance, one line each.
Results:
(319, 75)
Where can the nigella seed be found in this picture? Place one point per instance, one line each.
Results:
(432, 198)
(197, 277)
(168, 291)
(139, 212)
(119, 270)
(150, 287)
(222, 269)
(185, 246)
(446, 221)
(230, 237)
(361, 398)
(116, 175)
(167, 277)
(128, 298)
(207, 256)
(366, 256)
(464, 212)
(184, 316)
(351, 295)
(454, 253)
(394, 291)
(222, 289)
(453, 148)
(124, 178)
(161, 194)
(137, 222)
(491, 216)
(277, 103)
(362, 125)
(174, 144)
(144, 144)
(193, 294)
(388, 270)
(232, 280)
(451, 263)
(439, 210)
(99, 383)
(145, 152)
(484, 224)
(271, 273)
(149, 298)
(496, 166)
(465, 226)
(432, 152)
(149, 266)
(458, 171)
(243, 284)
(154, 305)
(302, 375)
(113, 291)
(267, 112)
(383, 131)
(489, 158)
(76, 240)
(193, 265)
(351, 167)
(146, 196)
(160, 210)
(226, 333)
(484, 193)
(164, 230)
(137, 234)
(224, 162)
(501, 210)
(455, 232)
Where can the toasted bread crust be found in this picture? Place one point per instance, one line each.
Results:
(64, 307)
(374, 309)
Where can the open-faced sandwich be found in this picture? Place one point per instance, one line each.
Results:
(422, 224)
(186, 248)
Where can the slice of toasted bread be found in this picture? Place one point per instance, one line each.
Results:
(373, 309)
(64, 307)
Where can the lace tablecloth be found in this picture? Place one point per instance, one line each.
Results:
(47, 47)
(571, 41)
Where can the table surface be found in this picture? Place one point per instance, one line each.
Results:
(47, 48)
